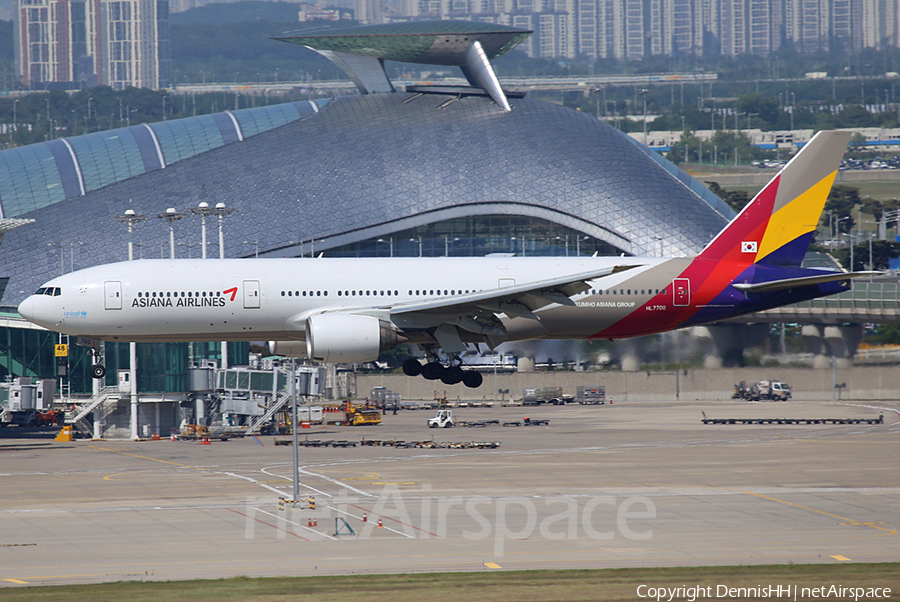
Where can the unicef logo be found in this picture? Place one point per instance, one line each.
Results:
(75, 314)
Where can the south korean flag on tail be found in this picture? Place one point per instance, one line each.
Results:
(748, 246)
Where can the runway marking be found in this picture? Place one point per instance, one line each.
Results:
(268, 524)
(843, 518)
(397, 521)
(295, 523)
(397, 483)
(841, 558)
(492, 565)
(146, 457)
(16, 581)
(336, 509)
(374, 475)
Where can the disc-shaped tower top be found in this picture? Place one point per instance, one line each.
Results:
(361, 51)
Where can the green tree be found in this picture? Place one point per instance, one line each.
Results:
(842, 200)
(736, 199)
(882, 252)
(765, 107)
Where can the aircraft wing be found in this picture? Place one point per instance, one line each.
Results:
(478, 312)
(519, 300)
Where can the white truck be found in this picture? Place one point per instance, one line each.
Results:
(443, 419)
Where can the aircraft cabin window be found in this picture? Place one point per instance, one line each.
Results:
(614, 291)
(318, 293)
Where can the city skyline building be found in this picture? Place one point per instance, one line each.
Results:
(75, 43)
(633, 29)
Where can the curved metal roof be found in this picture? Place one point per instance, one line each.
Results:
(38, 175)
(360, 165)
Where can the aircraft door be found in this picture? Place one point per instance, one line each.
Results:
(251, 294)
(112, 295)
(506, 282)
(681, 288)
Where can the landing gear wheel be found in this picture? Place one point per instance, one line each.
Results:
(432, 370)
(412, 367)
(472, 379)
(98, 371)
(452, 375)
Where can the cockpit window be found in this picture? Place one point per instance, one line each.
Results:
(49, 291)
(41, 290)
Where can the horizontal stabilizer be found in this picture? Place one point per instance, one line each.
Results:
(778, 285)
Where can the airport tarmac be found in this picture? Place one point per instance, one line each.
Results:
(635, 484)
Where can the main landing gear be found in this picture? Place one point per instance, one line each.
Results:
(449, 375)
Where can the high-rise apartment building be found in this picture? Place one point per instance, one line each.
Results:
(74, 43)
(640, 28)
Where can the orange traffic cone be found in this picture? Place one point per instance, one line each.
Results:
(206, 441)
(315, 522)
(380, 525)
(309, 523)
(365, 518)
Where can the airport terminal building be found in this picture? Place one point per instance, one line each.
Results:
(426, 171)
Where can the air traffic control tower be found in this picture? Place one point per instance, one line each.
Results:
(361, 51)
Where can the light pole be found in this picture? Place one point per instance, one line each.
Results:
(171, 216)
(15, 127)
(417, 240)
(256, 242)
(203, 210)
(792, 111)
(390, 241)
(131, 218)
(220, 211)
(643, 92)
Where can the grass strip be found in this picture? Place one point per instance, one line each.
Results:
(492, 586)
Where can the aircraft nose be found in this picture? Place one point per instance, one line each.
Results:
(26, 308)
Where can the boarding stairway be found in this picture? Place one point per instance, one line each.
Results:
(281, 398)
(96, 401)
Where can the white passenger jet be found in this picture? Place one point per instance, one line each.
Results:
(351, 310)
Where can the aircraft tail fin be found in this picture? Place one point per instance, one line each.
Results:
(777, 226)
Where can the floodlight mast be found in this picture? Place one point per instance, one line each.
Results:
(171, 215)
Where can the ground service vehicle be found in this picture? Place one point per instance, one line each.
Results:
(443, 419)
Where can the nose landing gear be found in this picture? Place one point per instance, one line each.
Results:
(98, 370)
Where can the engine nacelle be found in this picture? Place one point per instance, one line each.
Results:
(347, 338)
(288, 348)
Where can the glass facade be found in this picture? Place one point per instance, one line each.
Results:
(162, 367)
(107, 157)
(29, 179)
(477, 236)
(39, 175)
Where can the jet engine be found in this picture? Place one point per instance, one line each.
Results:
(347, 338)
